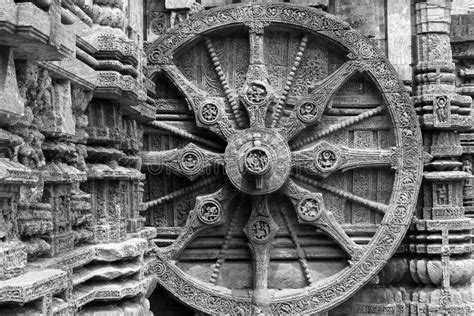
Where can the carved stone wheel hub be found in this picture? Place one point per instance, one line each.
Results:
(257, 161)
(292, 150)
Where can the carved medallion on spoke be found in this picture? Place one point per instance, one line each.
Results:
(309, 209)
(191, 161)
(326, 159)
(209, 212)
(209, 113)
(308, 112)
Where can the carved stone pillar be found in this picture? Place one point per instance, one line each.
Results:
(439, 243)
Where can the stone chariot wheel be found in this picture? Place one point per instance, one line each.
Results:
(277, 98)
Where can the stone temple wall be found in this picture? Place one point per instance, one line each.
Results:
(81, 215)
(73, 103)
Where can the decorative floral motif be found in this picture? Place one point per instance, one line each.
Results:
(190, 161)
(309, 209)
(260, 230)
(256, 93)
(307, 112)
(257, 160)
(326, 159)
(209, 113)
(210, 212)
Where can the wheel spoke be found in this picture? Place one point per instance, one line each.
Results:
(209, 211)
(323, 158)
(228, 237)
(372, 205)
(199, 184)
(257, 54)
(229, 93)
(299, 250)
(257, 92)
(289, 82)
(309, 109)
(336, 127)
(184, 134)
(209, 111)
(260, 231)
(190, 161)
(310, 210)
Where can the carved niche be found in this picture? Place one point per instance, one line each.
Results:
(317, 147)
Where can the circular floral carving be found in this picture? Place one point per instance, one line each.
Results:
(159, 268)
(366, 50)
(256, 93)
(158, 27)
(190, 161)
(187, 291)
(326, 160)
(209, 113)
(350, 37)
(257, 161)
(307, 112)
(309, 209)
(401, 211)
(210, 212)
(260, 230)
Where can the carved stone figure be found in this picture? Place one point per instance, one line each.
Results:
(442, 194)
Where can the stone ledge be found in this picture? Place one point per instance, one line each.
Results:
(142, 111)
(104, 172)
(73, 70)
(145, 233)
(102, 252)
(110, 291)
(113, 45)
(438, 225)
(15, 173)
(61, 172)
(33, 285)
(113, 85)
(34, 33)
(107, 272)
(128, 307)
(115, 65)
